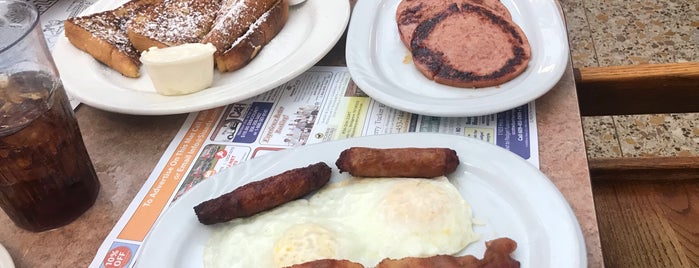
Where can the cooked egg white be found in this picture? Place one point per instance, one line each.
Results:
(362, 220)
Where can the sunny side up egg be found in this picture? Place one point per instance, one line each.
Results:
(362, 220)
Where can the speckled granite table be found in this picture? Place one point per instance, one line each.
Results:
(126, 148)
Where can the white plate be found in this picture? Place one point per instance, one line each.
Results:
(5, 258)
(510, 196)
(312, 30)
(375, 57)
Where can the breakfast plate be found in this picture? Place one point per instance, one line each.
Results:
(509, 198)
(379, 65)
(312, 30)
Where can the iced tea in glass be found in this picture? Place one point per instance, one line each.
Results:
(46, 177)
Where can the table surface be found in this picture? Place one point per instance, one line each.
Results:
(126, 148)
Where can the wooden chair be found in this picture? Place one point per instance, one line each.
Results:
(646, 206)
(640, 89)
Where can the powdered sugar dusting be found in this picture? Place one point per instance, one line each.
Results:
(102, 26)
(110, 26)
(178, 22)
(234, 20)
(252, 29)
(230, 14)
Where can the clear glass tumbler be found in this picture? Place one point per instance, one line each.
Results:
(46, 177)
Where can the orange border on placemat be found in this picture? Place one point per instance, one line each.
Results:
(160, 192)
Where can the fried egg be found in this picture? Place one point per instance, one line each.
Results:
(362, 220)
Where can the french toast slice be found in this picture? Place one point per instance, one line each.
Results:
(172, 22)
(103, 35)
(234, 18)
(259, 34)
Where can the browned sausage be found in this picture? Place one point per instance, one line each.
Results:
(259, 196)
(398, 162)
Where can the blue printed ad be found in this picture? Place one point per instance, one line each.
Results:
(253, 122)
(513, 131)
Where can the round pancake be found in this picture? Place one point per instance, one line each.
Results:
(470, 46)
(410, 13)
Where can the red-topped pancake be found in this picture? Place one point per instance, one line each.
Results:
(411, 12)
(468, 46)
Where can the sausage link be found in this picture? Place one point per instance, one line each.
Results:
(262, 195)
(398, 162)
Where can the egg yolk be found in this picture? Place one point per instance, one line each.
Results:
(303, 243)
(406, 205)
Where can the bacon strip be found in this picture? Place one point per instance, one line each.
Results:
(497, 255)
(328, 263)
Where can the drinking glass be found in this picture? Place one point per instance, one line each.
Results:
(46, 177)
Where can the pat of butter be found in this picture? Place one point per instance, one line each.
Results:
(181, 69)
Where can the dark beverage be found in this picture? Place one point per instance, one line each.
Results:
(46, 176)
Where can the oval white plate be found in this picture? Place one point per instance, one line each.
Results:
(311, 31)
(375, 58)
(510, 196)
